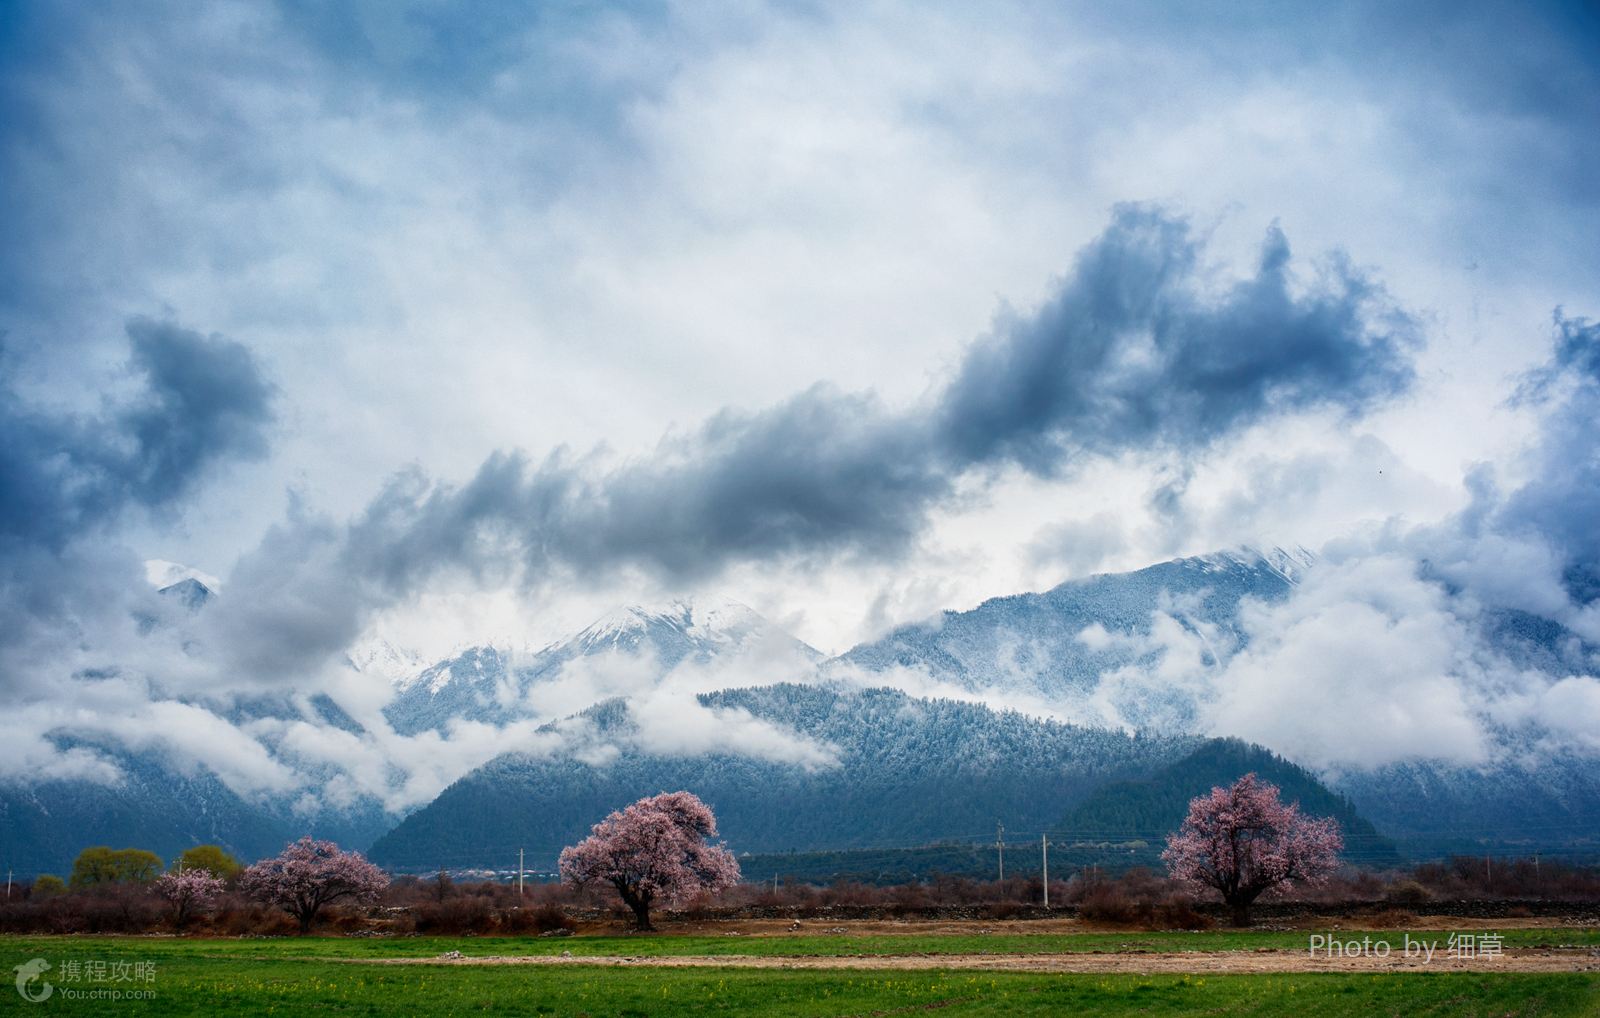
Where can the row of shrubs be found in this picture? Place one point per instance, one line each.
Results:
(439, 905)
(1460, 878)
(133, 909)
(488, 908)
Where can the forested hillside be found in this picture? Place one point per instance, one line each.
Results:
(905, 772)
(1149, 809)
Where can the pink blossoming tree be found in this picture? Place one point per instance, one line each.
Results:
(308, 875)
(655, 851)
(188, 893)
(1242, 841)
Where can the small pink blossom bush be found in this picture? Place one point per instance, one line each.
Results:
(655, 851)
(308, 875)
(1242, 841)
(189, 893)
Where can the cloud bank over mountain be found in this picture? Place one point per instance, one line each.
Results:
(1134, 352)
(1382, 655)
(720, 287)
(1131, 354)
(68, 478)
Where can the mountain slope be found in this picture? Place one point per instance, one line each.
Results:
(190, 593)
(1512, 807)
(495, 686)
(1058, 645)
(166, 804)
(1151, 808)
(157, 806)
(907, 771)
(826, 760)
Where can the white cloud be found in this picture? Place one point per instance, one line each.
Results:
(162, 573)
(752, 206)
(1363, 666)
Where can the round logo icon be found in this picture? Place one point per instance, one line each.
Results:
(29, 973)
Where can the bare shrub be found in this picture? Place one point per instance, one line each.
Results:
(1108, 903)
(1407, 893)
(456, 915)
(117, 908)
(1177, 912)
(538, 919)
(1002, 909)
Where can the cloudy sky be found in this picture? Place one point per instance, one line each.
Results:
(455, 324)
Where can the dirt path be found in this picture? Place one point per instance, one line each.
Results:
(1175, 962)
(921, 927)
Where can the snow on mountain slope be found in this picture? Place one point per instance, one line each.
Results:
(905, 771)
(1119, 649)
(1141, 650)
(629, 650)
(682, 629)
(1050, 652)
(381, 658)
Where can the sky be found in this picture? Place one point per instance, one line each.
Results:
(459, 324)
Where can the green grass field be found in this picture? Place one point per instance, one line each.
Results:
(295, 976)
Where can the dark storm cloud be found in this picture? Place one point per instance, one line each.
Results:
(1535, 547)
(823, 473)
(1561, 503)
(202, 400)
(1576, 356)
(67, 480)
(1131, 354)
(1578, 346)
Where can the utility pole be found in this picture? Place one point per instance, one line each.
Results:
(1044, 854)
(1000, 846)
(8, 885)
(520, 871)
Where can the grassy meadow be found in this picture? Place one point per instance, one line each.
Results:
(342, 976)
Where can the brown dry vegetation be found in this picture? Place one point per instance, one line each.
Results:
(1137, 899)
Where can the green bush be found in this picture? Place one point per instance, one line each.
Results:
(211, 858)
(49, 885)
(101, 865)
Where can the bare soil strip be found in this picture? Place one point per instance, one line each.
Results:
(1387, 920)
(1174, 962)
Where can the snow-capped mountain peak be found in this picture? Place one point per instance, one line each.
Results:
(190, 593)
(624, 621)
(701, 621)
(1289, 563)
(382, 658)
(495, 685)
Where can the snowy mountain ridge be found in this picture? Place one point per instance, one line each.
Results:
(1289, 563)
(708, 627)
(705, 622)
(379, 657)
(496, 684)
(1094, 652)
